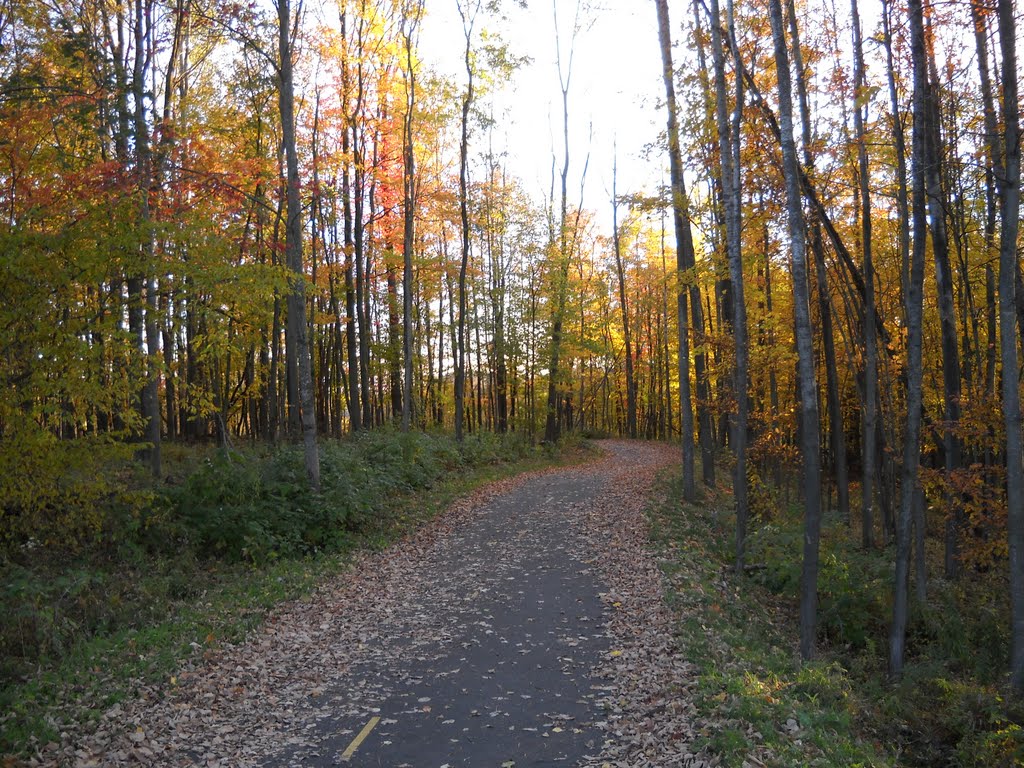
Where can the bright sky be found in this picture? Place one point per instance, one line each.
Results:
(615, 90)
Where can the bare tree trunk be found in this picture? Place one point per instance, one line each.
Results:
(705, 419)
(146, 328)
(468, 15)
(835, 419)
(887, 466)
(624, 306)
(499, 301)
(351, 340)
(479, 365)
(869, 447)
(295, 332)
(552, 425)
(731, 199)
(993, 193)
(667, 357)
(685, 260)
(409, 28)
(947, 316)
(1008, 272)
(359, 254)
(394, 337)
(900, 143)
(810, 447)
(912, 434)
(355, 412)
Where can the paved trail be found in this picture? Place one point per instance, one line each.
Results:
(523, 628)
(487, 659)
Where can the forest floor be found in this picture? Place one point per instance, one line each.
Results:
(527, 625)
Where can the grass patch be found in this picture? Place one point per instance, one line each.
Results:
(229, 537)
(756, 700)
(840, 710)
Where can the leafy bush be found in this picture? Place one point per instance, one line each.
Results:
(63, 494)
(853, 586)
(947, 710)
(246, 507)
(239, 529)
(968, 627)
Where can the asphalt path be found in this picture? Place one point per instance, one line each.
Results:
(487, 659)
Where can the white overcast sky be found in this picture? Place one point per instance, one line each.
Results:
(615, 88)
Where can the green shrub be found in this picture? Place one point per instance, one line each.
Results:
(240, 507)
(63, 494)
(947, 710)
(205, 552)
(853, 585)
(1001, 747)
(246, 507)
(967, 627)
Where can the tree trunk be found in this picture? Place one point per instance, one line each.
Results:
(705, 419)
(395, 323)
(810, 447)
(1008, 285)
(685, 260)
(947, 317)
(835, 419)
(355, 413)
(146, 328)
(552, 426)
(409, 195)
(468, 19)
(912, 433)
(900, 143)
(993, 192)
(731, 198)
(295, 332)
(869, 447)
(623, 305)
(362, 290)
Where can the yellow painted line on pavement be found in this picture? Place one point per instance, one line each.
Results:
(351, 750)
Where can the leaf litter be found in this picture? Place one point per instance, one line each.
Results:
(243, 704)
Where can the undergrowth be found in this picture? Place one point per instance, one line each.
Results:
(839, 710)
(226, 537)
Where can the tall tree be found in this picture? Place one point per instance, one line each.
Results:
(147, 329)
(352, 313)
(868, 447)
(624, 307)
(935, 197)
(468, 13)
(410, 24)
(552, 424)
(810, 443)
(296, 337)
(912, 431)
(837, 434)
(730, 184)
(685, 260)
(1008, 266)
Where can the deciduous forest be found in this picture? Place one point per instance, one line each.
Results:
(262, 267)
